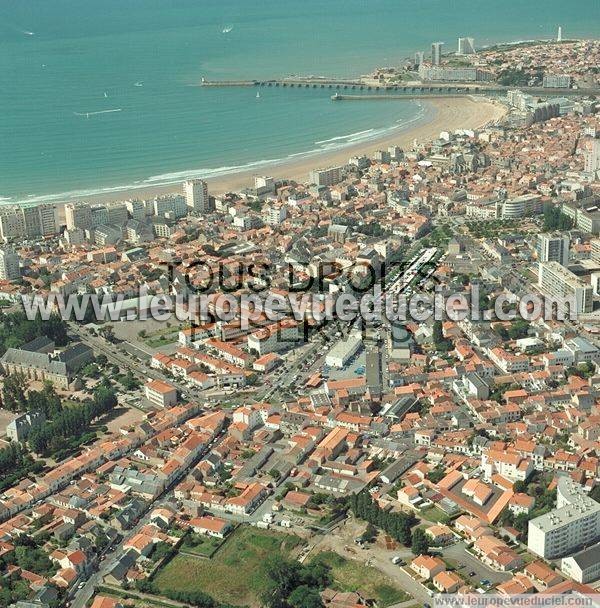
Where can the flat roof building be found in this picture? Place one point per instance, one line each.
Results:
(573, 524)
(559, 282)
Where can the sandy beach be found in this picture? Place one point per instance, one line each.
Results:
(446, 114)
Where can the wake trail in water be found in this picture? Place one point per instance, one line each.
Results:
(88, 114)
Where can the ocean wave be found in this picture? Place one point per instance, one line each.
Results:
(341, 137)
(166, 179)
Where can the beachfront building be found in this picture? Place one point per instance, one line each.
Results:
(28, 221)
(78, 215)
(196, 195)
(451, 74)
(466, 46)
(436, 52)
(326, 177)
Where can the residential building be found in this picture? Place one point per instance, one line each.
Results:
(584, 566)
(466, 46)
(196, 196)
(452, 74)
(554, 247)
(161, 393)
(592, 156)
(326, 177)
(9, 265)
(520, 206)
(558, 282)
(573, 524)
(436, 52)
(78, 215)
(595, 250)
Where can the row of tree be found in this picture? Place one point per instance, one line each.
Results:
(16, 329)
(554, 219)
(397, 524)
(72, 422)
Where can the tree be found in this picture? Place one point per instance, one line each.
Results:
(108, 333)
(13, 392)
(305, 597)
(555, 219)
(420, 542)
(130, 382)
(439, 341)
(437, 474)
(370, 533)
(290, 584)
(520, 486)
(397, 524)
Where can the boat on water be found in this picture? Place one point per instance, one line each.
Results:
(257, 94)
(227, 29)
(138, 84)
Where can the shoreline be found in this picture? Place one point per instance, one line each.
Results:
(446, 114)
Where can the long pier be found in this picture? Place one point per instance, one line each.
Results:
(400, 91)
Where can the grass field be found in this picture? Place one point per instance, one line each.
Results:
(434, 514)
(200, 544)
(234, 574)
(352, 575)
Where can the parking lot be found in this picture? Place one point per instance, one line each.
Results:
(458, 553)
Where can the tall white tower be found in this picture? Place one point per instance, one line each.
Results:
(559, 35)
(196, 195)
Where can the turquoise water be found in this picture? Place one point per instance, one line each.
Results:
(86, 57)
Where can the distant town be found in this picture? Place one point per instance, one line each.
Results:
(264, 451)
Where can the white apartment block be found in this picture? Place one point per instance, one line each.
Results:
(521, 206)
(595, 253)
(161, 393)
(196, 195)
(274, 215)
(28, 222)
(558, 282)
(574, 523)
(78, 215)
(326, 177)
(9, 265)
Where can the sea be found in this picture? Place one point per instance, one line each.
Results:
(101, 95)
